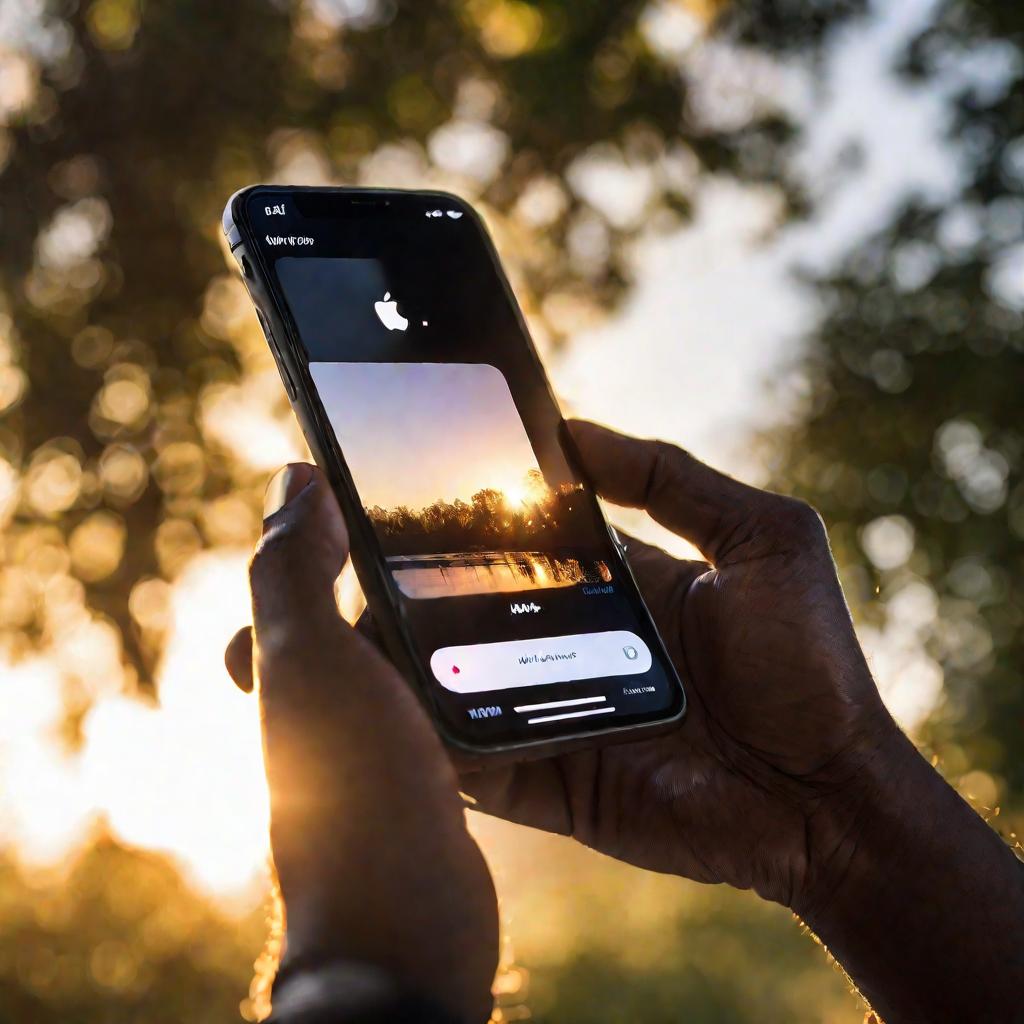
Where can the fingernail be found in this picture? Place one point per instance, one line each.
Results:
(284, 485)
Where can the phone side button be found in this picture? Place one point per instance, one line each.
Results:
(289, 384)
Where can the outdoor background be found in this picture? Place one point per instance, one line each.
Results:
(787, 235)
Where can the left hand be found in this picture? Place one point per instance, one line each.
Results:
(367, 828)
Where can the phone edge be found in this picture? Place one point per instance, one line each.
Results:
(368, 568)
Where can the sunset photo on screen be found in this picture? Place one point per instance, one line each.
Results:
(450, 481)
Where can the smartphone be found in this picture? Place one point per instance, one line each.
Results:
(493, 579)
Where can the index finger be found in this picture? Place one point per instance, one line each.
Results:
(693, 500)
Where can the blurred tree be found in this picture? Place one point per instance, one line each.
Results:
(120, 938)
(130, 123)
(912, 440)
(724, 958)
(123, 344)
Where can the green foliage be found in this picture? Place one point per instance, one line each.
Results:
(119, 940)
(727, 959)
(147, 117)
(155, 112)
(914, 411)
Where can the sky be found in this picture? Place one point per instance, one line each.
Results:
(416, 432)
(704, 350)
(717, 312)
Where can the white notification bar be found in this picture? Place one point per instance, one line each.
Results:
(476, 668)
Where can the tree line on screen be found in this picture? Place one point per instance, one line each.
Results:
(489, 521)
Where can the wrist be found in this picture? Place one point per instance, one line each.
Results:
(370, 902)
(919, 900)
(348, 992)
(860, 824)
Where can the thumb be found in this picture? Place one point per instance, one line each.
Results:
(711, 510)
(318, 677)
(320, 681)
(298, 558)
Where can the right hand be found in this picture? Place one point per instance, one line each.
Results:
(762, 784)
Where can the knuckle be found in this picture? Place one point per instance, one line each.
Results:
(269, 558)
(803, 520)
(663, 475)
(288, 551)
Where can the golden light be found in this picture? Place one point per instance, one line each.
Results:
(9, 491)
(508, 28)
(530, 489)
(514, 495)
(113, 23)
(182, 775)
(123, 472)
(239, 417)
(181, 771)
(176, 542)
(13, 384)
(19, 82)
(123, 401)
(97, 546)
(53, 481)
(150, 604)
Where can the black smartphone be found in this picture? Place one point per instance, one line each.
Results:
(493, 578)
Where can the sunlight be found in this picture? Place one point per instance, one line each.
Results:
(514, 495)
(183, 775)
(530, 489)
(186, 776)
(43, 809)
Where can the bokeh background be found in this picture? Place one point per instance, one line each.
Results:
(789, 235)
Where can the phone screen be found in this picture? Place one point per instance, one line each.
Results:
(505, 579)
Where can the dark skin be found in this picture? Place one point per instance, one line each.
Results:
(788, 776)
(782, 711)
(367, 836)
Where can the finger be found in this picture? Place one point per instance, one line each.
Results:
(323, 685)
(663, 579)
(300, 555)
(367, 626)
(532, 793)
(706, 507)
(664, 582)
(238, 659)
(316, 673)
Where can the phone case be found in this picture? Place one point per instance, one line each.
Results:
(283, 342)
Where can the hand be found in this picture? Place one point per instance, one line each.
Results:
(761, 785)
(787, 776)
(368, 832)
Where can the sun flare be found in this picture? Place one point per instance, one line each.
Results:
(514, 495)
(530, 489)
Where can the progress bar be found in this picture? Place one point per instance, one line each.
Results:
(569, 714)
(560, 703)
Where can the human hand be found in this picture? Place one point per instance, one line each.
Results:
(788, 776)
(368, 832)
(761, 785)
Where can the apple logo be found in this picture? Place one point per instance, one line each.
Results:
(387, 310)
